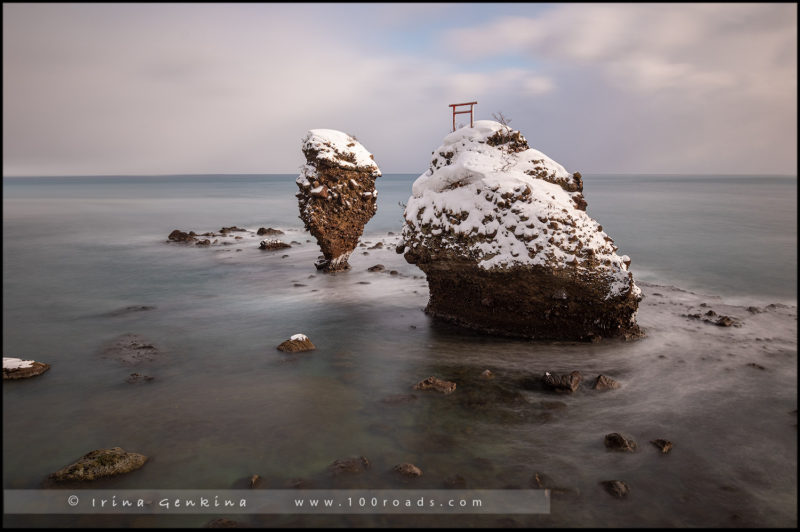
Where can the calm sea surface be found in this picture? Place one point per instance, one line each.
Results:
(225, 405)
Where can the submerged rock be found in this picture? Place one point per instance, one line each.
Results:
(297, 343)
(617, 442)
(434, 383)
(100, 463)
(131, 350)
(355, 464)
(501, 232)
(16, 368)
(337, 194)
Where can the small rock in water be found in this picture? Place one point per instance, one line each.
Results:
(180, 236)
(408, 470)
(255, 481)
(16, 368)
(138, 377)
(757, 366)
(617, 488)
(356, 464)
(394, 272)
(376, 268)
(297, 343)
(664, 445)
(268, 231)
(605, 383)
(562, 383)
(754, 310)
(231, 229)
(132, 349)
(617, 442)
(204, 242)
(272, 245)
(487, 374)
(434, 383)
(379, 245)
(100, 463)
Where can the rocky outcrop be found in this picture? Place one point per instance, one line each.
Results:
(337, 194)
(180, 236)
(501, 232)
(100, 463)
(16, 368)
(297, 343)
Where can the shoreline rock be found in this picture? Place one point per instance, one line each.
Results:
(562, 383)
(603, 383)
(273, 245)
(509, 249)
(351, 465)
(337, 194)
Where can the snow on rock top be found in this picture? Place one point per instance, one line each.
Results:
(16, 363)
(490, 198)
(299, 337)
(340, 149)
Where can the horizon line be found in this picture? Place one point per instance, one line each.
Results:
(585, 173)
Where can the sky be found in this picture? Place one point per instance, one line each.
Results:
(108, 89)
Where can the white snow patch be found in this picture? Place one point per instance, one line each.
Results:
(332, 145)
(16, 363)
(299, 337)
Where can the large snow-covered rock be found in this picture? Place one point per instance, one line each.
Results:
(501, 232)
(337, 193)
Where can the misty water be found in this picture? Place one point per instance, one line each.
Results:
(225, 404)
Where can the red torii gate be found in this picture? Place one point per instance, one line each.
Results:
(454, 105)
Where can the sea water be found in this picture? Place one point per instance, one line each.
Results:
(225, 404)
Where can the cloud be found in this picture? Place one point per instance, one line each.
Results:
(706, 81)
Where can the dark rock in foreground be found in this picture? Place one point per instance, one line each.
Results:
(337, 194)
(99, 464)
(562, 383)
(617, 488)
(434, 383)
(297, 343)
(15, 368)
(407, 470)
(617, 442)
(605, 383)
(664, 445)
(352, 465)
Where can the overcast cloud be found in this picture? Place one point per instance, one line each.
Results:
(198, 88)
